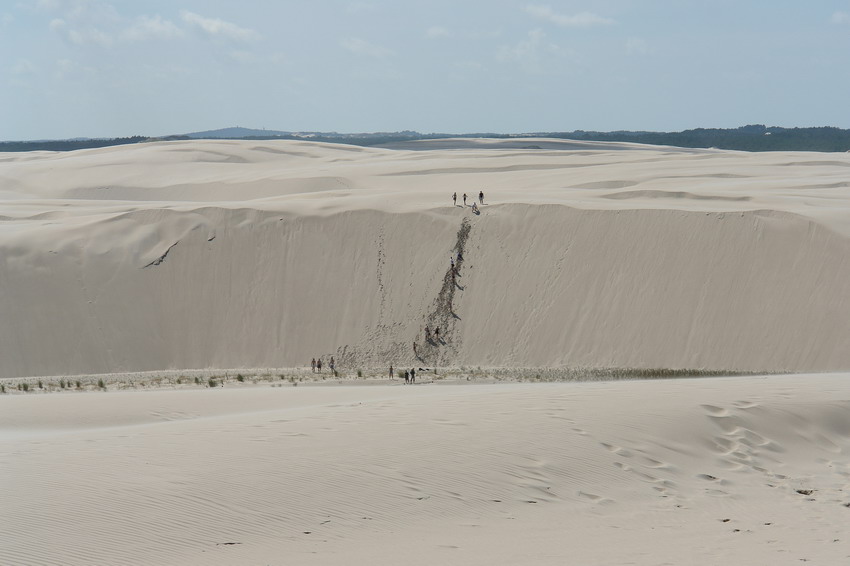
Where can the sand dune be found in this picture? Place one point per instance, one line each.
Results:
(264, 254)
(738, 471)
(225, 254)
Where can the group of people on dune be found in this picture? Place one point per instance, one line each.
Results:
(474, 206)
(410, 375)
(316, 365)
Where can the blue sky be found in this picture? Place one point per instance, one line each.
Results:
(103, 68)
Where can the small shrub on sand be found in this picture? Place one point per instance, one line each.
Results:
(240, 378)
(2, 389)
(62, 383)
(197, 381)
(79, 384)
(360, 373)
(25, 386)
(211, 382)
(101, 384)
(40, 384)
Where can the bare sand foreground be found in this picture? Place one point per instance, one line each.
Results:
(205, 255)
(734, 471)
(231, 254)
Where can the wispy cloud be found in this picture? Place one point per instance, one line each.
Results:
(98, 23)
(66, 68)
(582, 19)
(23, 67)
(21, 73)
(532, 52)
(363, 47)
(355, 7)
(151, 27)
(636, 46)
(840, 18)
(437, 31)
(80, 31)
(216, 28)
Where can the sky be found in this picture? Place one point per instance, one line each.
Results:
(114, 68)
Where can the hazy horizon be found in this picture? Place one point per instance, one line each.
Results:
(101, 69)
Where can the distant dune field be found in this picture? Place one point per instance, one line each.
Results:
(228, 254)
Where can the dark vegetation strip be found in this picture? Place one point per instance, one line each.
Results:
(756, 137)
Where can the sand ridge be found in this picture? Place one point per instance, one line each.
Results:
(228, 254)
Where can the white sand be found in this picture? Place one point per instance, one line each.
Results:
(734, 471)
(221, 254)
(228, 254)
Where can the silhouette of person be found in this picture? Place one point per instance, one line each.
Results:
(319, 365)
(412, 375)
(437, 333)
(481, 197)
(454, 198)
(313, 365)
(464, 199)
(391, 372)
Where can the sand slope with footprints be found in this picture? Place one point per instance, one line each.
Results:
(744, 470)
(245, 254)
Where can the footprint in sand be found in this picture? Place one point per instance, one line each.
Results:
(713, 411)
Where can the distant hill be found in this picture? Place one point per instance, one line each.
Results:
(756, 137)
(237, 132)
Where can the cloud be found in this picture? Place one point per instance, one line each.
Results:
(21, 73)
(840, 18)
(66, 68)
(87, 34)
(151, 27)
(636, 46)
(23, 67)
(356, 7)
(582, 19)
(363, 47)
(437, 31)
(468, 65)
(531, 53)
(216, 28)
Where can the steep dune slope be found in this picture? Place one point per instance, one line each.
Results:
(239, 254)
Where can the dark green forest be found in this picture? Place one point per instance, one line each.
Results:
(746, 138)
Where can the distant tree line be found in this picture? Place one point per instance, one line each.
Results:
(755, 137)
(746, 138)
(68, 145)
